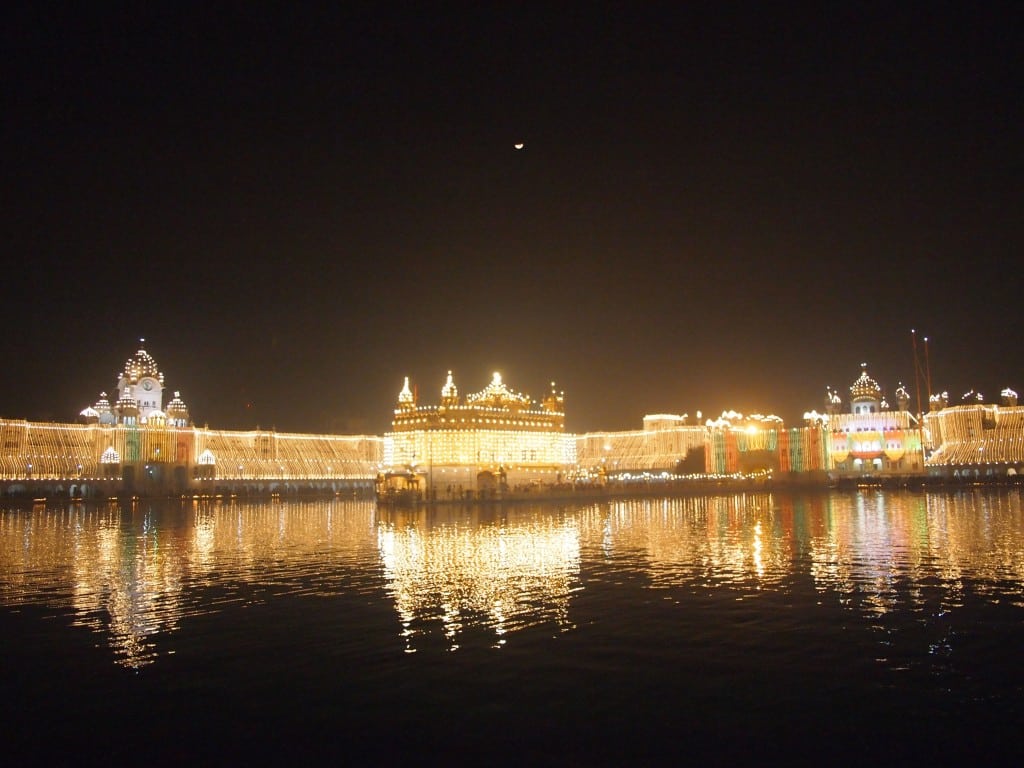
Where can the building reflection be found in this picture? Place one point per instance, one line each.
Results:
(135, 573)
(884, 551)
(469, 565)
(707, 540)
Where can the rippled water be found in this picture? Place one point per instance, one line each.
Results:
(838, 627)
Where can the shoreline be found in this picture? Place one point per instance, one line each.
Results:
(698, 487)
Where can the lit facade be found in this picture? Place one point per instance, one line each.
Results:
(976, 439)
(751, 445)
(491, 441)
(756, 444)
(497, 440)
(872, 439)
(664, 441)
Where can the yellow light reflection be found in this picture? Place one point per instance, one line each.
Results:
(130, 573)
(444, 567)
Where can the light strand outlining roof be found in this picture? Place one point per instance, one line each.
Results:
(816, 419)
(730, 419)
(496, 393)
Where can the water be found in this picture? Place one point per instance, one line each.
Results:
(839, 628)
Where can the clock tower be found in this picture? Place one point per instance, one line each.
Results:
(140, 397)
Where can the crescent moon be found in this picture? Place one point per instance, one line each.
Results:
(520, 146)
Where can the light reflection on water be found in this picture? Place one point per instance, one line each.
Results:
(134, 574)
(448, 564)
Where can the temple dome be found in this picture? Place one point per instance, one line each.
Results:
(865, 388)
(498, 395)
(141, 364)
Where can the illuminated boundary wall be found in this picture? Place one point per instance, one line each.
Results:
(972, 440)
(639, 450)
(60, 457)
(801, 450)
(976, 440)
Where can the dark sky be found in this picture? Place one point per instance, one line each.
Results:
(714, 208)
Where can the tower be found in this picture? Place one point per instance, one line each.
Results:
(140, 387)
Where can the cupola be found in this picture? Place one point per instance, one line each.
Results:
(177, 411)
(865, 393)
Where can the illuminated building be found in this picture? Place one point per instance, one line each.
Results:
(738, 443)
(872, 439)
(976, 439)
(490, 442)
(495, 442)
(140, 391)
(138, 445)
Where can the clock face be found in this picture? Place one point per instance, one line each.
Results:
(147, 384)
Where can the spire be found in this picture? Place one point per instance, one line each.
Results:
(405, 398)
(449, 392)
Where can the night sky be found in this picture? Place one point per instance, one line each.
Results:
(714, 207)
